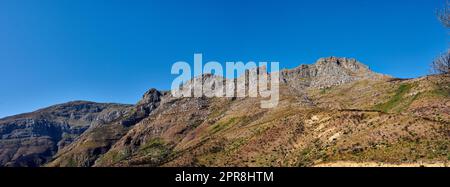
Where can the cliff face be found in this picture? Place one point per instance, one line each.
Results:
(97, 140)
(32, 139)
(332, 111)
(327, 72)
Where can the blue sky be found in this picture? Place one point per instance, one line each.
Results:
(54, 51)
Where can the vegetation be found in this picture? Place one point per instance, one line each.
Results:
(444, 15)
(383, 120)
(441, 65)
(155, 147)
(396, 100)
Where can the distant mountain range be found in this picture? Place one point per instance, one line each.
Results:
(336, 112)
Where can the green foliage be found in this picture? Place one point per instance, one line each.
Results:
(223, 125)
(155, 147)
(305, 158)
(152, 153)
(324, 90)
(440, 93)
(397, 100)
(114, 156)
(236, 144)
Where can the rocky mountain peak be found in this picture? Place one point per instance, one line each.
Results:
(327, 72)
(151, 96)
(346, 63)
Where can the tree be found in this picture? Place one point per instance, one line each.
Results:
(444, 15)
(441, 64)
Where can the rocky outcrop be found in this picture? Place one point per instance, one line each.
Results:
(170, 123)
(144, 107)
(98, 139)
(327, 72)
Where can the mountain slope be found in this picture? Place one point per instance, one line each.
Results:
(356, 116)
(333, 112)
(98, 139)
(32, 139)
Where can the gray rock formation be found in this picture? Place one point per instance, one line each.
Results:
(31, 139)
(97, 140)
(327, 72)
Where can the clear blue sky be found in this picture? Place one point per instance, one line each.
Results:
(54, 51)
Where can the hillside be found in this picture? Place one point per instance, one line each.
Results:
(334, 112)
(32, 139)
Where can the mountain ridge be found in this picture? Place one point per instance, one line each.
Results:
(31, 138)
(164, 131)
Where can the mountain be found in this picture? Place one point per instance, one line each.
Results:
(99, 139)
(336, 112)
(32, 139)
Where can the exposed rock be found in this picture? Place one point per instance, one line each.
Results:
(327, 72)
(98, 139)
(32, 139)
